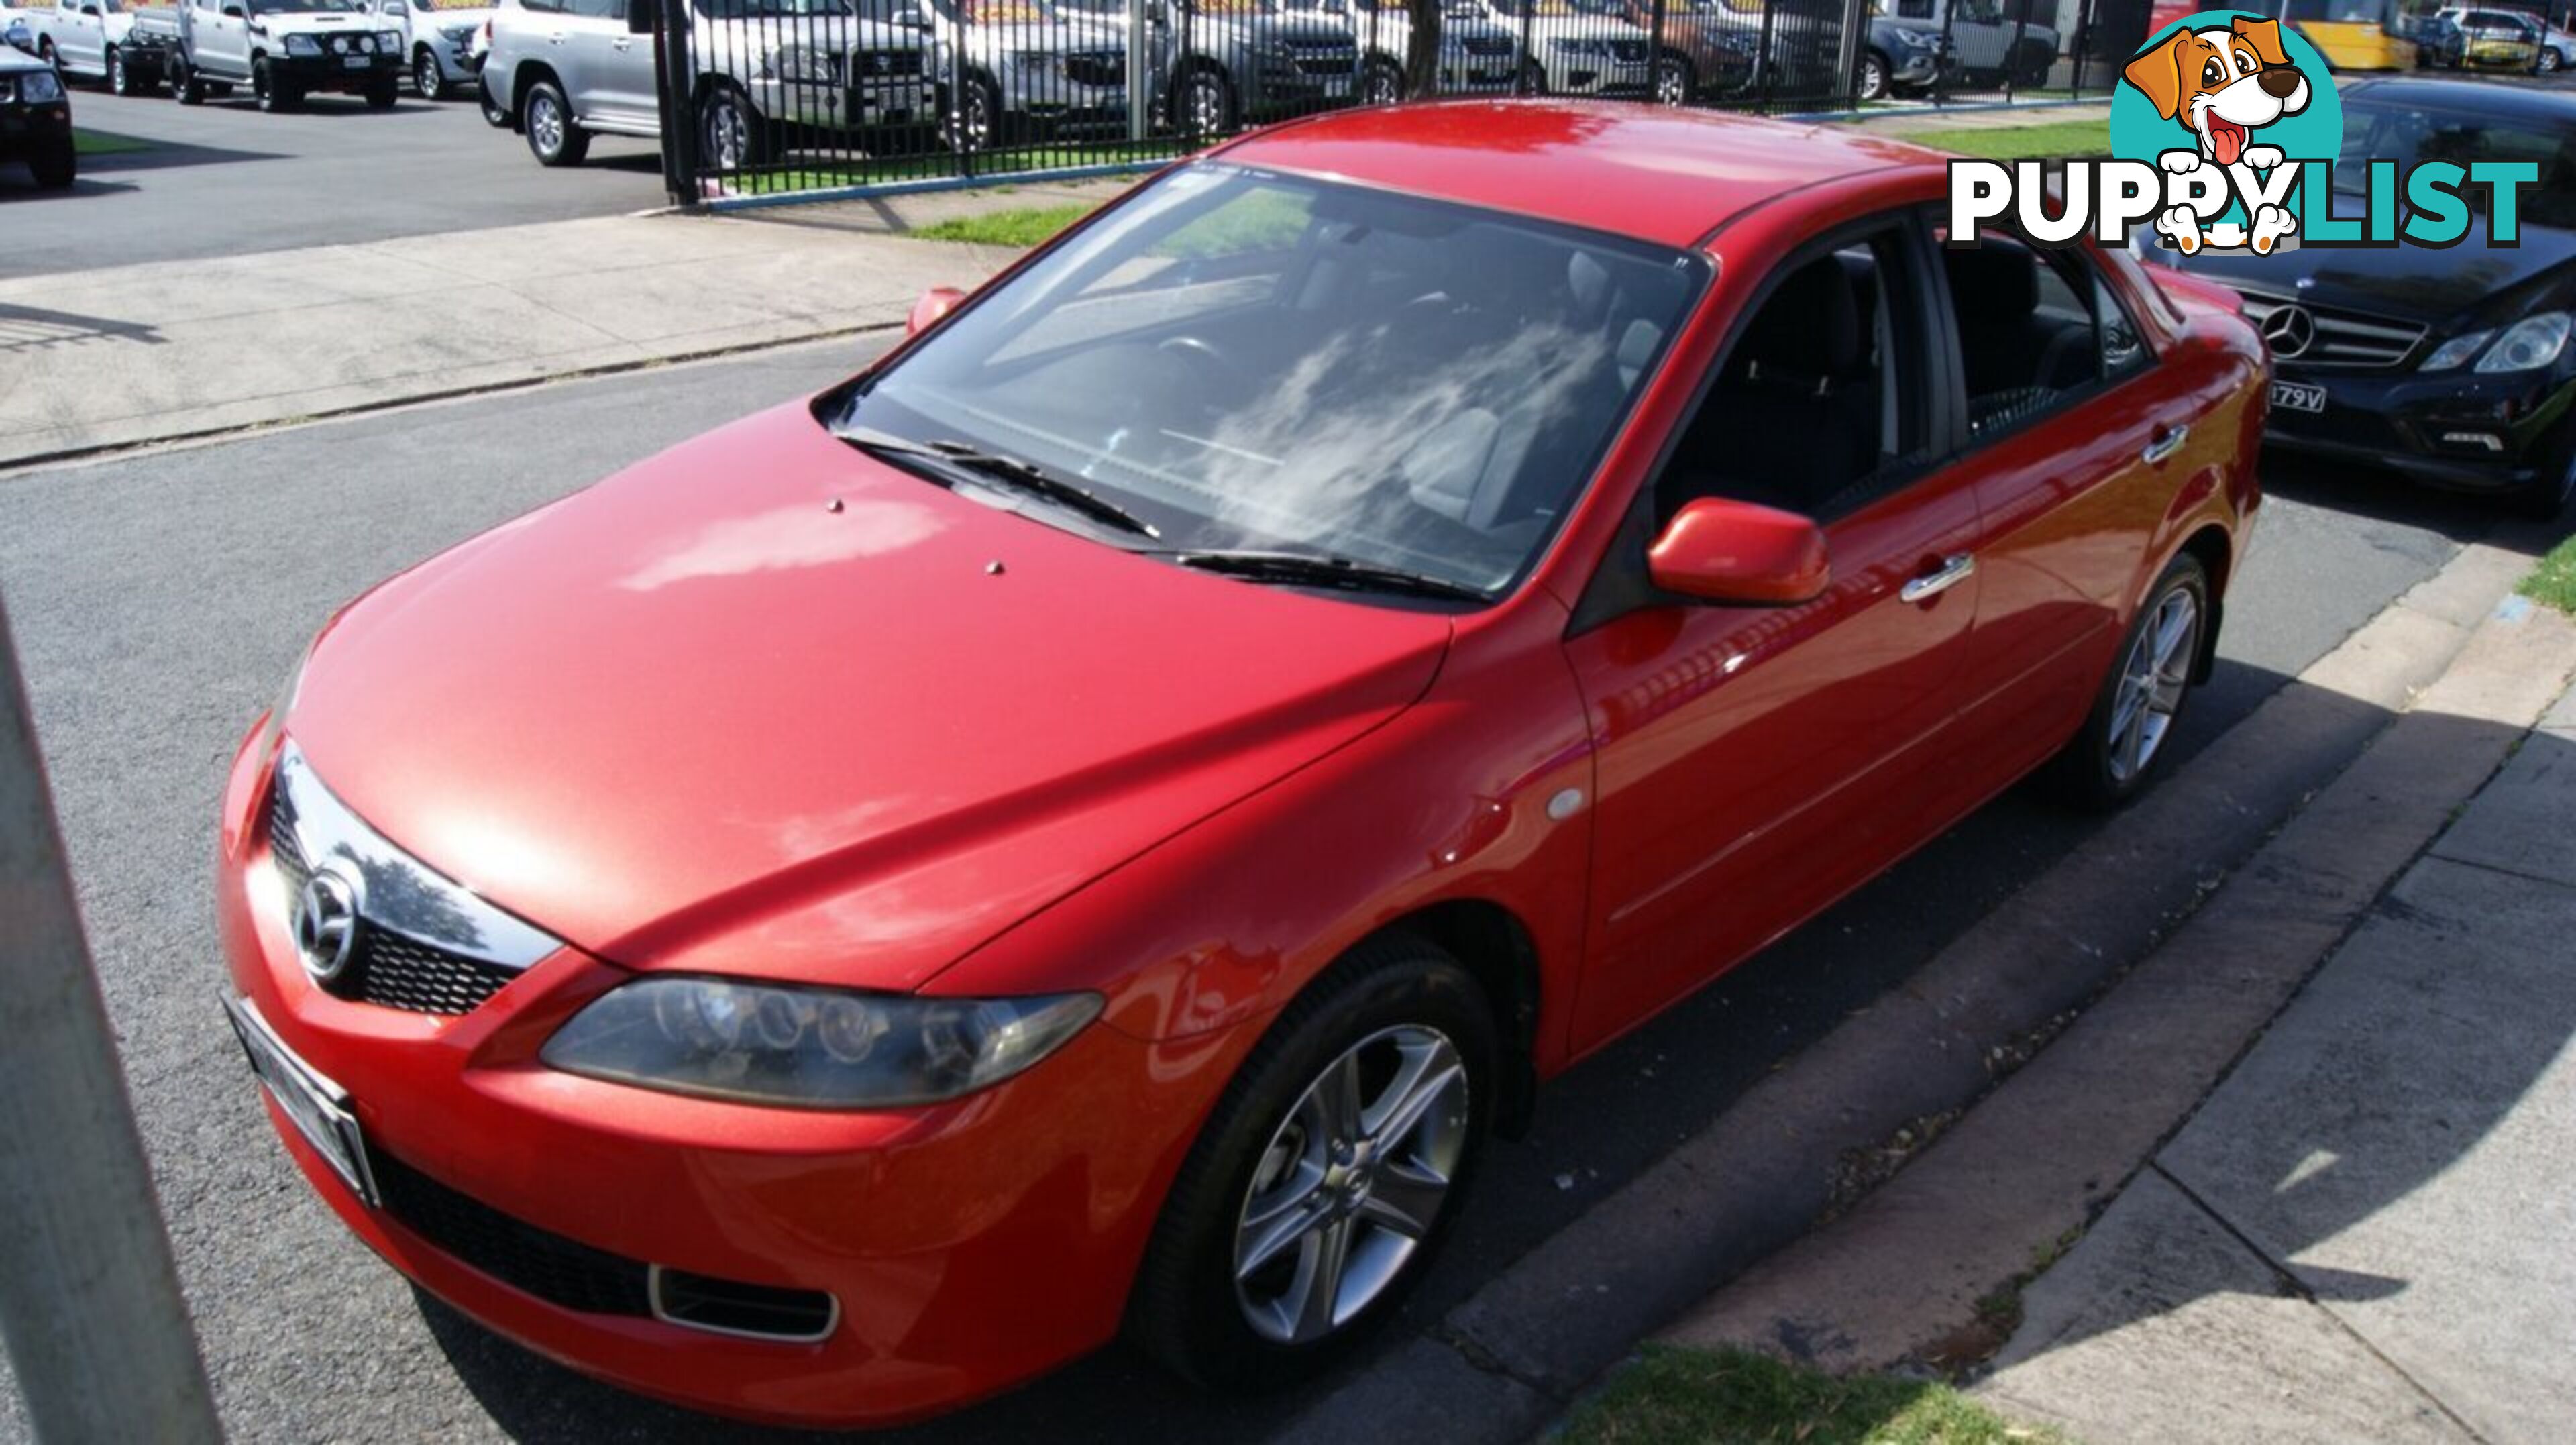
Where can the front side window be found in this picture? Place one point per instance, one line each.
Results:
(1811, 411)
(1257, 362)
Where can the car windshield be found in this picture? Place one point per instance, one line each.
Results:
(1250, 362)
(1557, 9)
(2380, 129)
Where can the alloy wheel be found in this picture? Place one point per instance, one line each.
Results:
(425, 77)
(726, 138)
(1383, 87)
(2152, 683)
(545, 123)
(1207, 104)
(1672, 82)
(2548, 61)
(970, 121)
(1350, 1184)
(118, 83)
(1873, 79)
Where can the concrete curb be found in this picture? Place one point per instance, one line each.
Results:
(1757, 1177)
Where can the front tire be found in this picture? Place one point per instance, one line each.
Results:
(55, 167)
(974, 121)
(1327, 1175)
(547, 118)
(495, 114)
(382, 94)
(1207, 102)
(120, 81)
(1674, 82)
(2113, 757)
(426, 77)
(272, 91)
(731, 135)
(2549, 61)
(1382, 85)
(1873, 76)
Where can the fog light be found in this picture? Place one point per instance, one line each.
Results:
(2489, 440)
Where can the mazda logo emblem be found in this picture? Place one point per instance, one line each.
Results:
(2291, 330)
(326, 924)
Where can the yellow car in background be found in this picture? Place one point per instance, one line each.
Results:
(2351, 34)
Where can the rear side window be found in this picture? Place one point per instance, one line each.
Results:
(2036, 328)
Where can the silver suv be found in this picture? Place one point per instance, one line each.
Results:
(768, 73)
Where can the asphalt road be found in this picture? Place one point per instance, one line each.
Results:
(159, 599)
(221, 179)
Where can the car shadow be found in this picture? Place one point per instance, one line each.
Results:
(2379, 493)
(20, 187)
(2394, 1066)
(168, 155)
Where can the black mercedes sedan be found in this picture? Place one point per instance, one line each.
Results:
(2452, 366)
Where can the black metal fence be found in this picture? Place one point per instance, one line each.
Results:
(775, 97)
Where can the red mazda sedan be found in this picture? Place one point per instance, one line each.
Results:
(1094, 823)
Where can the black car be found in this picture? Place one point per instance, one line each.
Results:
(35, 118)
(2451, 365)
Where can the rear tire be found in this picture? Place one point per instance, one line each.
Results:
(2114, 756)
(1350, 1137)
(547, 118)
(495, 114)
(56, 167)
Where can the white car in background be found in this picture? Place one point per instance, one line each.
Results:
(439, 42)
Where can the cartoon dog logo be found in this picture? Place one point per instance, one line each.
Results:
(2222, 85)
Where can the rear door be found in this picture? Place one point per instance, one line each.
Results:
(2078, 438)
(78, 35)
(616, 74)
(1755, 762)
(219, 38)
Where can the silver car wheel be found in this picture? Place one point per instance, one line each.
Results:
(1873, 79)
(2152, 683)
(545, 123)
(1350, 1184)
(426, 79)
(1672, 82)
(1207, 104)
(1383, 87)
(727, 136)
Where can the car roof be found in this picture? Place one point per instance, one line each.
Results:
(1656, 174)
(2477, 97)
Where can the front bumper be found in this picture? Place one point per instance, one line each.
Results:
(29, 130)
(834, 105)
(1919, 67)
(1599, 75)
(334, 72)
(2452, 429)
(967, 1246)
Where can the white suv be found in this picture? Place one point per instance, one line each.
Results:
(767, 70)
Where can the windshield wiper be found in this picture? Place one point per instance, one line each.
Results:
(990, 466)
(1303, 569)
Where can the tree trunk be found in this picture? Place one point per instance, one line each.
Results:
(1422, 54)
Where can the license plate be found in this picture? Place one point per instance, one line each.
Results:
(319, 1109)
(355, 62)
(2298, 396)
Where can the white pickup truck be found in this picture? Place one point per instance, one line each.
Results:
(440, 42)
(98, 39)
(285, 50)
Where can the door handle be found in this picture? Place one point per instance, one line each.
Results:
(1954, 570)
(555, 38)
(2167, 442)
(624, 42)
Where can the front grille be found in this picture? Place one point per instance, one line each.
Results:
(1103, 68)
(535, 1261)
(385, 968)
(882, 64)
(2354, 339)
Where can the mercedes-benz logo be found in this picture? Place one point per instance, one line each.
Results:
(2290, 329)
(326, 924)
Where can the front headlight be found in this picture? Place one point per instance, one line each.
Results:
(802, 63)
(2528, 344)
(1916, 39)
(810, 1047)
(388, 42)
(302, 45)
(2456, 351)
(39, 86)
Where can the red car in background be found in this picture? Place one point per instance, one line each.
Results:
(1093, 823)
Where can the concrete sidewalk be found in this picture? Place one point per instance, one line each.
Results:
(2365, 1231)
(91, 360)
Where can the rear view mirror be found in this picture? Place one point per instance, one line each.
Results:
(639, 16)
(1722, 551)
(936, 302)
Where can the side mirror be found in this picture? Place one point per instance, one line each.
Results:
(1722, 551)
(936, 302)
(911, 17)
(639, 16)
(19, 36)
